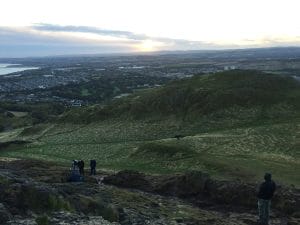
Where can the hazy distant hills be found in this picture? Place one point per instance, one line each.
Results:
(238, 54)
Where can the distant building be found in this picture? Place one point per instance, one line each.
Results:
(76, 103)
(229, 67)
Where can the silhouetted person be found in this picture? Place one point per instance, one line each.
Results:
(74, 175)
(81, 167)
(266, 192)
(93, 166)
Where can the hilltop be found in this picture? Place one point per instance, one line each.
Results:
(241, 95)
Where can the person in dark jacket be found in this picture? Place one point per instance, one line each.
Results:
(81, 167)
(74, 175)
(265, 194)
(93, 166)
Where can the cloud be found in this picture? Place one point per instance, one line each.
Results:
(92, 30)
(83, 39)
(162, 43)
(180, 44)
(49, 39)
(27, 41)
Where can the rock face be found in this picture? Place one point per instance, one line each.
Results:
(23, 199)
(199, 188)
(40, 198)
(35, 193)
(61, 218)
(129, 179)
(235, 192)
(189, 184)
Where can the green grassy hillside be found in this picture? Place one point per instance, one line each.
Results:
(236, 124)
(242, 94)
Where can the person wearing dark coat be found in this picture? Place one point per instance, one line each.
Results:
(74, 175)
(81, 167)
(265, 194)
(93, 166)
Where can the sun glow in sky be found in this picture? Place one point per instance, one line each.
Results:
(150, 25)
(148, 45)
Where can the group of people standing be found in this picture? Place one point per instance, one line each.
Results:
(80, 165)
(77, 170)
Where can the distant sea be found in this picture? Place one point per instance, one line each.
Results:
(12, 68)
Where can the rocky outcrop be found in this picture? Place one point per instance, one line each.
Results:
(61, 218)
(186, 185)
(199, 188)
(23, 199)
(34, 192)
(129, 179)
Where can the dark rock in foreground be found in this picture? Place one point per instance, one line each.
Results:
(34, 192)
(200, 189)
(61, 218)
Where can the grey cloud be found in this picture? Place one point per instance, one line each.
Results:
(23, 43)
(93, 30)
(173, 44)
(23, 37)
(28, 41)
(33, 41)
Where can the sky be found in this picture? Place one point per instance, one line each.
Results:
(59, 27)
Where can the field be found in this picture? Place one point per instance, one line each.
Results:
(235, 124)
(244, 153)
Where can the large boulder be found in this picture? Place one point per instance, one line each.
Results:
(129, 179)
(287, 200)
(233, 192)
(21, 197)
(189, 184)
(95, 206)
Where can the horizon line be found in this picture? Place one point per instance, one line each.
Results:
(107, 54)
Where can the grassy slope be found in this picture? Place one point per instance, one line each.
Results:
(232, 133)
(231, 95)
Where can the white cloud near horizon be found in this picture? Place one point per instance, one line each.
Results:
(105, 41)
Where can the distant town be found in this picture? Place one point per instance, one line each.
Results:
(72, 80)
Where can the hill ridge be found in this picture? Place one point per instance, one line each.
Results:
(230, 92)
